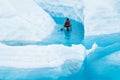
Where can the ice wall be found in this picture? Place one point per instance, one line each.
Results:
(24, 20)
(63, 8)
(103, 63)
(99, 17)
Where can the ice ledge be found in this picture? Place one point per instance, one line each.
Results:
(39, 56)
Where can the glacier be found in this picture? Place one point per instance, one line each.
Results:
(38, 56)
(90, 51)
(61, 8)
(98, 17)
(27, 23)
(24, 22)
(101, 17)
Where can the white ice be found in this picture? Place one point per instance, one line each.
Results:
(28, 22)
(63, 8)
(101, 17)
(24, 20)
(39, 56)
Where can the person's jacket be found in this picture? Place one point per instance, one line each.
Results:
(67, 23)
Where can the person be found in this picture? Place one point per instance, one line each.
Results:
(67, 24)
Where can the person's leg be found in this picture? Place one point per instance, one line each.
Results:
(67, 29)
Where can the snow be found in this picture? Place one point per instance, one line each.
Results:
(101, 17)
(39, 56)
(26, 22)
(94, 46)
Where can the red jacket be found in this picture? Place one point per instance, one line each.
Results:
(67, 23)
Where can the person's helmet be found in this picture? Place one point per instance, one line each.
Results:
(67, 18)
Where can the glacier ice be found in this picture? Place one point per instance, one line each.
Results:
(103, 63)
(98, 17)
(62, 62)
(40, 62)
(62, 8)
(101, 17)
(26, 22)
(39, 56)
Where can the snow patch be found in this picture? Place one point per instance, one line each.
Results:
(94, 46)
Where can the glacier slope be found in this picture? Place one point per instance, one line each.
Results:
(24, 22)
(101, 17)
